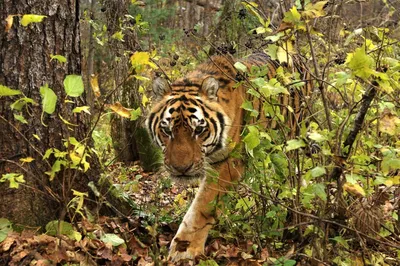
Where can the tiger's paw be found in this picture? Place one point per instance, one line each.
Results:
(184, 250)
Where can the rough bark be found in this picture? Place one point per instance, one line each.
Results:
(25, 65)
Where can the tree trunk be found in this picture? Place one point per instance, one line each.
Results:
(25, 65)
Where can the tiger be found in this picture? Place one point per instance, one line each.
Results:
(193, 120)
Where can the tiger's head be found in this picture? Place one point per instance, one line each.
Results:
(189, 124)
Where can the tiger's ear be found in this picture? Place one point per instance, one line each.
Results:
(160, 88)
(210, 87)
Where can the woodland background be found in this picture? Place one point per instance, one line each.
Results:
(79, 178)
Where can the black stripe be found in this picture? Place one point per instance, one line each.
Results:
(223, 82)
(206, 115)
(178, 91)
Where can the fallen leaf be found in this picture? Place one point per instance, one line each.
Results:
(7, 243)
(105, 253)
(20, 255)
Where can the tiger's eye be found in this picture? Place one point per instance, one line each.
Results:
(167, 130)
(198, 130)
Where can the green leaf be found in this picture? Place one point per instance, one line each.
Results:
(13, 178)
(52, 228)
(318, 171)
(58, 57)
(55, 169)
(272, 50)
(317, 137)
(341, 241)
(252, 139)
(280, 164)
(73, 85)
(20, 118)
(390, 164)
(294, 144)
(6, 91)
(271, 88)
(113, 239)
(341, 78)
(20, 103)
(136, 113)
(118, 36)
(48, 153)
(245, 204)
(292, 16)
(64, 228)
(311, 191)
(289, 263)
(49, 99)
(4, 223)
(5, 228)
(360, 63)
(31, 18)
(248, 106)
(240, 66)
(319, 190)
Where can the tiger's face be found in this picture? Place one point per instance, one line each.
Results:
(188, 124)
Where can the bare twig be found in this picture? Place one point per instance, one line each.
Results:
(358, 121)
(320, 85)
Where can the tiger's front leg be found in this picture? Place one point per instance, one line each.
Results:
(190, 239)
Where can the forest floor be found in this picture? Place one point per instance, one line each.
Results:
(141, 238)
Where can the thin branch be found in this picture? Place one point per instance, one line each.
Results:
(320, 85)
(358, 122)
(23, 136)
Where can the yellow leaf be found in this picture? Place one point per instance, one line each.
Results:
(392, 181)
(179, 199)
(284, 51)
(66, 121)
(354, 189)
(94, 83)
(314, 10)
(140, 58)
(145, 100)
(75, 158)
(138, 3)
(27, 159)
(31, 18)
(151, 230)
(141, 89)
(120, 110)
(9, 22)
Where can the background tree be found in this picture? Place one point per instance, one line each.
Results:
(27, 129)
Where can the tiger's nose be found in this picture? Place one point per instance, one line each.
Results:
(182, 168)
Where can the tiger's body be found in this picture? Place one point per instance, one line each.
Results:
(192, 121)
